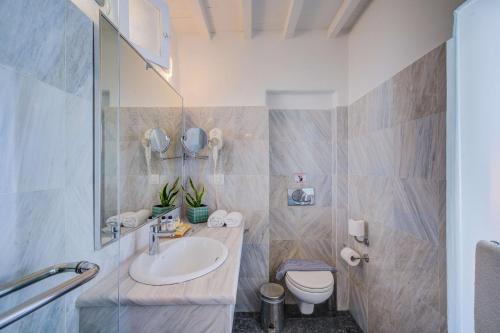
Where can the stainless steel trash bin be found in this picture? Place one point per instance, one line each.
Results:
(272, 307)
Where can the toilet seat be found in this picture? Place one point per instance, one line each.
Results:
(311, 281)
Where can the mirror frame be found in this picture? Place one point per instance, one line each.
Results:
(97, 125)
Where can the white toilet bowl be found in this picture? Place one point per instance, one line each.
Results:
(309, 288)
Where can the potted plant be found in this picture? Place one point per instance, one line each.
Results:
(197, 212)
(168, 196)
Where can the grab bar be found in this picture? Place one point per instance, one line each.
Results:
(86, 271)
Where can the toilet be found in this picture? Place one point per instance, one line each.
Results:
(309, 288)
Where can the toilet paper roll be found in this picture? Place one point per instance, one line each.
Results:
(356, 228)
(347, 253)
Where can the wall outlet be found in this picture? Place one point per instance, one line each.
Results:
(154, 179)
(218, 179)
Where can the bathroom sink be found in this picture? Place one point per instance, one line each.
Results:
(178, 261)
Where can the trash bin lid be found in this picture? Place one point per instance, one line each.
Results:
(272, 291)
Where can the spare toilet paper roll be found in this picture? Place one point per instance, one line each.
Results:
(356, 228)
(347, 254)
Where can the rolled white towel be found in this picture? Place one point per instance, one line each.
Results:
(129, 219)
(123, 218)
(216, 219)
(233, 219)
(140, 218)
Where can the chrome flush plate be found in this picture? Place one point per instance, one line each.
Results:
(301, 196)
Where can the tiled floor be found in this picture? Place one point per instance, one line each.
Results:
(340, 322)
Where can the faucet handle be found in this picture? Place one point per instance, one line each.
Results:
(155, 228)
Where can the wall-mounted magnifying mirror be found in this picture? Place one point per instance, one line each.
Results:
(194, 140)
(159, 140)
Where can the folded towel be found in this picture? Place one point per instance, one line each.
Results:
(302, 265)
(233, 219)
(129, 219)
(216, 219)
(141, 217)
(487, 293)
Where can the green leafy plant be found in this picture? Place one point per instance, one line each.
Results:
(168, 195)
(195, 198)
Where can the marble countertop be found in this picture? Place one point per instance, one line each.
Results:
(216, 287)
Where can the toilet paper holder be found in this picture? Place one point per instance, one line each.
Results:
(364, 257)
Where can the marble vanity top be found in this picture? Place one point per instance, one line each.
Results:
(216, 287)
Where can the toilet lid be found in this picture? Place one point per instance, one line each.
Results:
(311, 280)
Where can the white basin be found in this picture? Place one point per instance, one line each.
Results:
(178, 261)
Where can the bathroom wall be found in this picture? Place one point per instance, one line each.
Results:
(244, 162)
(301, 141)
(134, 122)
(230, 70)
(396, 182)
(46, 172)
(391, 35)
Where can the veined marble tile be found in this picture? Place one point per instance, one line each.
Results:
(358, 305)
(32, 130)
(240, 123)
(420, 148)
(79, 53)
(254, 261)
(418, 206)
(372, 154)
(301, 223)
(420, 89)
(32, 38)
(371, 198)
(287, 158)
(371, 112)
(248, 296)
(78, 144)
(244, 157)
(257, 223)
(33, 234)
(300, 125)
(285, 126)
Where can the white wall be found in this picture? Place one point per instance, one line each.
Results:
(230, 70)
(477, 164)
(392, 34)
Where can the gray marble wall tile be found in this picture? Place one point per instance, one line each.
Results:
(79, 56)
(245, 157)
(371, 198)
(32, 130)
(296, 223)
(420, 89)
(372, 154)
(244, 162)
(358, 304)
(371, 112)
(418, 205)
(396, 182)
(79, 136)
(300, 125)
(288, 158)
(41, 26)
(420, 148)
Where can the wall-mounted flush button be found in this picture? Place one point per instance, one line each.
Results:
(301, 196)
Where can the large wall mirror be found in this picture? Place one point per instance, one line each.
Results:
(138, 129)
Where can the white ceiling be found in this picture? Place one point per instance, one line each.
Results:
(267, 15)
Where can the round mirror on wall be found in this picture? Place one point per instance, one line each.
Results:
(159, 140)
(194, 140)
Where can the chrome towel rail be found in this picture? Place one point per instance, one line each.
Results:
(86, 271)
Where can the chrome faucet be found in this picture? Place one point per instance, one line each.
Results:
(157, 231)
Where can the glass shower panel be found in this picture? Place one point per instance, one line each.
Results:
(150, 150)
(46, 169)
